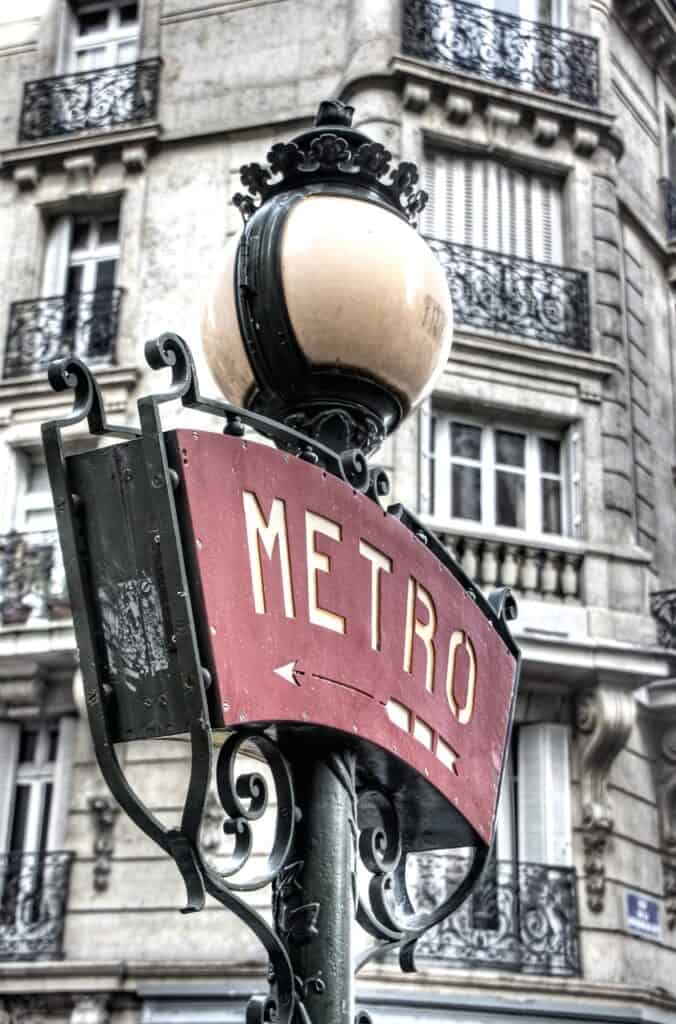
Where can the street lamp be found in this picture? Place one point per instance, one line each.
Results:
(329, 313)
(261, 597)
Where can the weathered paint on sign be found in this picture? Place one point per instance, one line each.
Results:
(323, 609)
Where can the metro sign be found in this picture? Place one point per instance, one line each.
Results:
(318, 608)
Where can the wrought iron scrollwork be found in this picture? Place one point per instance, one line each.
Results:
(386, 911)
(503, 47)
(351, 466)
(522, 917)
(499, 292)
(34, 889)
(90, 100)
(663, 609)
(41, 330)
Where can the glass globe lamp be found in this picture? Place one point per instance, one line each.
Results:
(329, 312)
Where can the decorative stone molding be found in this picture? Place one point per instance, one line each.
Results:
(135, 158)
(26, 177)
(458, 108)
(416, 97)
(546, 130)
(605, 717)
(80, 171)
(104, 813)
(502, 120)
(90, 1010)
(585, 140)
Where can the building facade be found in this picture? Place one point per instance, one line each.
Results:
(546, 137)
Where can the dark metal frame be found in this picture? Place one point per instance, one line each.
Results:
(499, 292)
(343, 408)
(306, 876)
(41, 330)
(503, 47)
(33, 899)
(42, 117)
(669, 192)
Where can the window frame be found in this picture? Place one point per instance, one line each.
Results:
(440, 460)
(108, 40)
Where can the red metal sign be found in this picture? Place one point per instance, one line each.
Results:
(323, 609)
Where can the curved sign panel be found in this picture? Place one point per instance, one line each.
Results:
(322, 609)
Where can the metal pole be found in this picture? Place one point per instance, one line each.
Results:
(315, 901)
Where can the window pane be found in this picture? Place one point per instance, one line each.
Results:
(105, 274)
(510, 449)
(92, 21)
(550, 456)
(466, 441)
(108, 231)
(20, 819)
(510, 504)
(128, 14)
(80, 235)
(27, 746)
(74, 280)
(53, 744)
(551, 506)
(46, 811)
(466, 492)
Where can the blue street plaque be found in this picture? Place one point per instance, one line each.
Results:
(642, 915)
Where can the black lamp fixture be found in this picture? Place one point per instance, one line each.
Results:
(329, 312)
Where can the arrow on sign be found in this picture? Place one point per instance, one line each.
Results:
(288, 672)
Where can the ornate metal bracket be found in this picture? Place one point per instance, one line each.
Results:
(104, 813)
(605, 717)
(385, 909)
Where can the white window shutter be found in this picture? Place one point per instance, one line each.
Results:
(63, 772)
(428, 220)
(9, 752)
(544, 816)
(57, 251)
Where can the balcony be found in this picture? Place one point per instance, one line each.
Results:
(663, 610)
(32, 583)
(33, 898)
(504, 48)
(82, 323)
(496, 292)
(521, 917)
(534, 571)
(90, 100)
(669, 193)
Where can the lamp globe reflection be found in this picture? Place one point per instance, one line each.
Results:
(329, 312)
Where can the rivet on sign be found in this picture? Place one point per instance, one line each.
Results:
(225, 705)
(157, 480)
(242, 716)
(156, 538)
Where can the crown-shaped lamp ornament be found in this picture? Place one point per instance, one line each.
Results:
(329, 312)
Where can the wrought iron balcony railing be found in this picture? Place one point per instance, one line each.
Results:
(502, 47)
(663, 609)
(521, 917)
(90, 100)
(32, 583)
(497, 292)
(84, 323)
(669, 192)
(33, 898)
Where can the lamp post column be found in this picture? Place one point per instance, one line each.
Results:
(314, 901)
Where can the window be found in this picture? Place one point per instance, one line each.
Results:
(547, 11)
(81, 258)
(35, 763)
(498, 476)
(487, 205)
(671, 146)
(104, 34)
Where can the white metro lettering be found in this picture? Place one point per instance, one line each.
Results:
(270, 533)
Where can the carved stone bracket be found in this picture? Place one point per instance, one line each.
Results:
(666, 787)
(669, 876)
(104, 811)
(605, 717)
